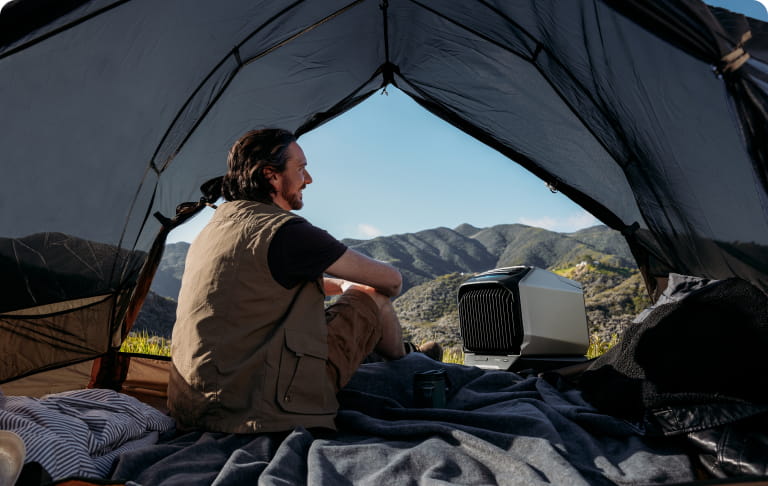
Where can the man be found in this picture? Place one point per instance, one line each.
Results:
(253, 348)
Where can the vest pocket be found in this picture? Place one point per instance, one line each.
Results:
(303, 385)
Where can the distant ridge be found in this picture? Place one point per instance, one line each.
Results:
(434, 262)
(167, 281)
(428, 254)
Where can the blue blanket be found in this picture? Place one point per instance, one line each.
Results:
(497, 428)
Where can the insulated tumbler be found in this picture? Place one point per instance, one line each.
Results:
(429, 389)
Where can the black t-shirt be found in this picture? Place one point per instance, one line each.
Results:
(300, 252)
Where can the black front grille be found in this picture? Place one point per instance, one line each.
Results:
(490, 320)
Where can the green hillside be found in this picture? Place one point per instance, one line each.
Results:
(167, 281)
(428, 254)
(425, 255)
(428, 312)
(434, 262)
(156, 317)
(612, 296)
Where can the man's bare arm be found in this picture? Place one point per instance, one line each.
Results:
(356, 267)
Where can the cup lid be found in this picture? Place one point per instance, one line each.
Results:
(430, 375)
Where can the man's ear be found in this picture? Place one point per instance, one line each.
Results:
(269, 173)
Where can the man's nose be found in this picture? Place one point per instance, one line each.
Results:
(307, 177)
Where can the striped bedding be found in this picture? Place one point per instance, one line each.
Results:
(81, 432)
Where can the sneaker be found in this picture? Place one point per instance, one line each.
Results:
(432, 350)
(410, 347)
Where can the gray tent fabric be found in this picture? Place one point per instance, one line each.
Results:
(641, 112)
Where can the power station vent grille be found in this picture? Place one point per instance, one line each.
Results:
(487, 320)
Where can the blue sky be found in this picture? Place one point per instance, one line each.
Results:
(390, 167)
(395, 168)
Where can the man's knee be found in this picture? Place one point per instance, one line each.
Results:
(381, 300)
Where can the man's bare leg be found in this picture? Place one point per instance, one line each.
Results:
(391, 344)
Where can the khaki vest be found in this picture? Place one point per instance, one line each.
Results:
(248, 354)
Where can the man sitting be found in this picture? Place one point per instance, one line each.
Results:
(253, 347)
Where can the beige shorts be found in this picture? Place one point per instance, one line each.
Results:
(353, 331)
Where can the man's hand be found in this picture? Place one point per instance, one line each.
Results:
(337, 286)
(347, 285)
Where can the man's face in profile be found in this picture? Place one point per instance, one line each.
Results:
(290, 183)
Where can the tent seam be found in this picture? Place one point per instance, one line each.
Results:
(540, 48)
(60, 29)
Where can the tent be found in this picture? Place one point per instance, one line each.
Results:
(650, 114)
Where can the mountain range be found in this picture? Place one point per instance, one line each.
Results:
(434, 262)
(428, 254)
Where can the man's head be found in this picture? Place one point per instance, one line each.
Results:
(269, 166)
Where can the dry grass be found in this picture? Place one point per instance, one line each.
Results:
(598, 347)
(453, 355)
(142, 343)
(595, 349)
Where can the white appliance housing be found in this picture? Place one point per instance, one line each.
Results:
(521, 312)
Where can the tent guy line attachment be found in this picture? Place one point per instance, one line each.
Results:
(737, 57)
(315, 120)
(236, 54)
(584, 200)
(536, 52)
(630, 229)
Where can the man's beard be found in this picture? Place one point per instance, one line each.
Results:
(294, 199)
